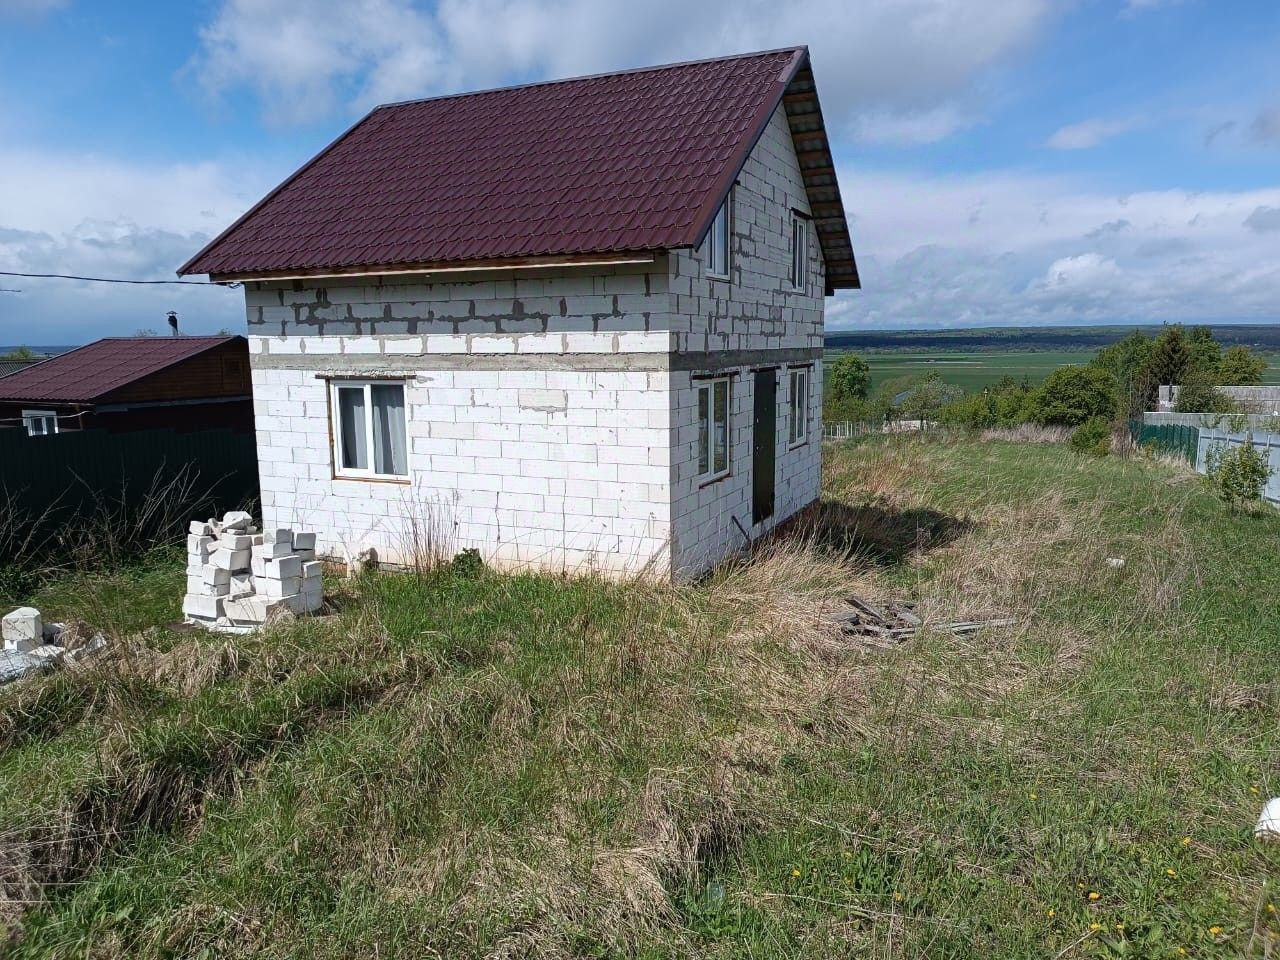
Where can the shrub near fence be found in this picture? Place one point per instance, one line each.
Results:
(1169, 439)
(53, 481)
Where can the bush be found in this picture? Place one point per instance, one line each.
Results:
(1002, 405)
(1072, 395)
(1239, 474)
(1093, 437)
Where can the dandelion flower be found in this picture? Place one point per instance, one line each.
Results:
(1271, 908)
(1172, 872)
(1033, 796)
(1095, 926)
(1186, 841)
(1182, 951)
(1052, 913)
(1253, 790)
(1094, 895)
(897, 896)
(1119, 926)
(1215, 930)
(795, 873)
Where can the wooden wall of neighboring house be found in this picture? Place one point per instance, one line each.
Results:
(220, 372)
(223, 414)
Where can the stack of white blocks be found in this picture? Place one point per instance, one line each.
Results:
(238, 577)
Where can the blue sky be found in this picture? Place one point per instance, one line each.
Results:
(1003, 161)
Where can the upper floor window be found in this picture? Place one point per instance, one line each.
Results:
(40, 423)
(717, 243)
(369, 438)
(799, 252)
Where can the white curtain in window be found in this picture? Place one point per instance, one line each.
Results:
(389, 455)
(351, 424)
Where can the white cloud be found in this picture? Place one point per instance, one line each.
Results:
(909, 67)
(1088, 133)
(91, 216)
(1047, 250)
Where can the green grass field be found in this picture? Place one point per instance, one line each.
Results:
(975, 370)
(547, 766)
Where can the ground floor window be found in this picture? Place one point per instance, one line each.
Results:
(713, 428)
(369, 429)
(799, 412)
(40, 423)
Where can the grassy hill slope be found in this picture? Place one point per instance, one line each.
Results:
(541, 766)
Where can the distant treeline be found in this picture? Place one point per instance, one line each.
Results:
(1262, 337)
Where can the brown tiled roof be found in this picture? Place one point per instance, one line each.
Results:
(89, 373)
(620, 163)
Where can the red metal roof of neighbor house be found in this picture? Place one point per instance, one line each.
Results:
(90, 372)
(627, 162)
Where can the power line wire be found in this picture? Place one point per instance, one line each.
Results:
(68, 276)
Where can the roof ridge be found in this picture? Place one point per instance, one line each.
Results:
(652, 68)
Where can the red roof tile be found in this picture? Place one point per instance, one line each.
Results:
(88, 373)
(619, 163)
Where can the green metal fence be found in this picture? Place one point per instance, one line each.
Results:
(51, 481)
(1174, 440)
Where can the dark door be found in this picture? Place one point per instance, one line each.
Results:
(764, 428)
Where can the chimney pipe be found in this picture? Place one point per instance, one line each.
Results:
(173, 323)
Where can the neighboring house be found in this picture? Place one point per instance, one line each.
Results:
(133, 383)
(574, 324)
(1254, 399)
(13, 366)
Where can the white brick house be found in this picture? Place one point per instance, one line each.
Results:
(566, 337)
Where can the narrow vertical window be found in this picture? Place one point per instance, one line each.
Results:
(717, 243)
(369, 430)
(713, 429)
(799, 252)
(799, 412)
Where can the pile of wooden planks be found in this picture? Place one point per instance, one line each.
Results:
(895, 621)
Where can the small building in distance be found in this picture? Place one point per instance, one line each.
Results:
(123, 384)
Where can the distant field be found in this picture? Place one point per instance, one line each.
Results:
(975, 370)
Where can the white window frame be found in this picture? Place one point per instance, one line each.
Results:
(31, 417)
(799, 252)
(798, 406)
(710, 387)
(717, 242)
(335, 418)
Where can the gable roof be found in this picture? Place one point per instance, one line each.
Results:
(632, 162)
(88, 373)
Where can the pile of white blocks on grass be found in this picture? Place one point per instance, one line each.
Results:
(239, 577)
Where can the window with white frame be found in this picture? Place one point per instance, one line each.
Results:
(40, 423)
(713, 428)
(369, 438)
(717, 243)
(799, 251)
(799, 414)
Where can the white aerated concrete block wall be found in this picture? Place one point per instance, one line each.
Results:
(558, 469)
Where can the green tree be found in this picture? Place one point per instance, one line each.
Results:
(1240, 366)
(19, 353)
(1127, 360)
(848, 378)
(1169, 362)
(1071, 395)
